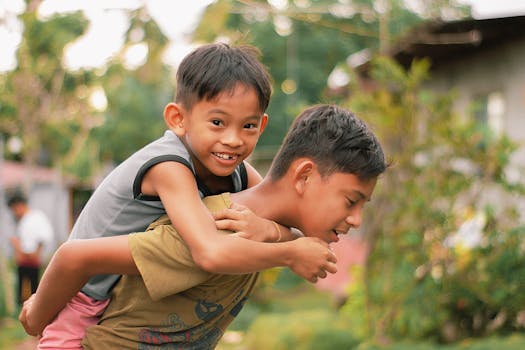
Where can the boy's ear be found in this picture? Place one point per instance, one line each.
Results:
(174, 118)
(264, 122)
(303, 169)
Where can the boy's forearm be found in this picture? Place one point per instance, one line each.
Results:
(60, 282)
(309, 258)
(288, 233)
(70, 268)
(230, 254)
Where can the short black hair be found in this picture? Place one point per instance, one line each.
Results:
(215, 68)
(335, 139)
(15, 198)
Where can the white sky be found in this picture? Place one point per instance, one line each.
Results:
(175, 17)
(104, 36)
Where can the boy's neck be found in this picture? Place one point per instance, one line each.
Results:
(269, 200)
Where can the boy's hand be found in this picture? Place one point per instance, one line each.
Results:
(246, 224)
(312, 259)
(26, 308)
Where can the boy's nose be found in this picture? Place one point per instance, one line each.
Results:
(354, 219)
(232, 139)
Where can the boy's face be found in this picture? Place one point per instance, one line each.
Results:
(333, 205)
(222, 132)
(18, 210)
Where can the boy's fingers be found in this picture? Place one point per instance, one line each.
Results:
(242, 235)
(313, 279)
(331, 267)
(227, 214)
(238, 207)
(22, 317)
(226, 224)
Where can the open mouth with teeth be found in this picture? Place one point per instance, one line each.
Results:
(226, 156)
(336, 233)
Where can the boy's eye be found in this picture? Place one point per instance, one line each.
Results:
(350, 202)
(216, 122)
(250, 126)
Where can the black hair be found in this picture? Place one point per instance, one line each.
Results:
(215, 68)
(335, 139)
(15, 198)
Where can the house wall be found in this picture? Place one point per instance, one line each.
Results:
(501, 70)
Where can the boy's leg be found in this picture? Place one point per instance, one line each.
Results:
(27, 282)
(33, 278)
(19, 296)
(24, 284)
(69, 327)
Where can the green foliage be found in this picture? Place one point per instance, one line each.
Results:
(47, 38)
(133, 119)
(49, 107)
(512, 342)
(300, 61)
(11, 333)
(301, 330)
(415, 284)
(305, 320)
(3, 311)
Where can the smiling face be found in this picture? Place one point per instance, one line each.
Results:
(332, 205)
(219, 133)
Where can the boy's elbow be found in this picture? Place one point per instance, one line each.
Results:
(209, 259)
(67, 259)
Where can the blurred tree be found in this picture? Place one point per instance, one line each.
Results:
(302, 41)
(137, 94)
(425, 276)
(40, 95)
(136, 90)
(51, 108)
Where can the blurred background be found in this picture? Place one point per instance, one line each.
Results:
(439, 261)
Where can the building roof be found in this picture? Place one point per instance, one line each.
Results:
(14, 174)
(445, 41)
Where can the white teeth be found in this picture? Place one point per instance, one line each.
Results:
(224, 156)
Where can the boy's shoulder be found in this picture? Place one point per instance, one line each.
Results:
(165, 148)
(213, 203)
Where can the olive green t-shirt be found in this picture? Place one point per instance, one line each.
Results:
(173, 304)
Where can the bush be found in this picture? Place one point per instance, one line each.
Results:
(300, 330)
(448, 171)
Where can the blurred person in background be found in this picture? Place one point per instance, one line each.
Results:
(33, 232)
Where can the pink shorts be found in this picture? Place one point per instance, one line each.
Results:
(69, 327)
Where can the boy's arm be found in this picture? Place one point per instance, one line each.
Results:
(246, 224)
(70, 268)
(23, 257)
(229, 254)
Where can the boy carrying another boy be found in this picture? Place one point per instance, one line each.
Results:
(322, 176)
(213, 125)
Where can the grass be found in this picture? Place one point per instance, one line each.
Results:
(288, 308)
(11, 333)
